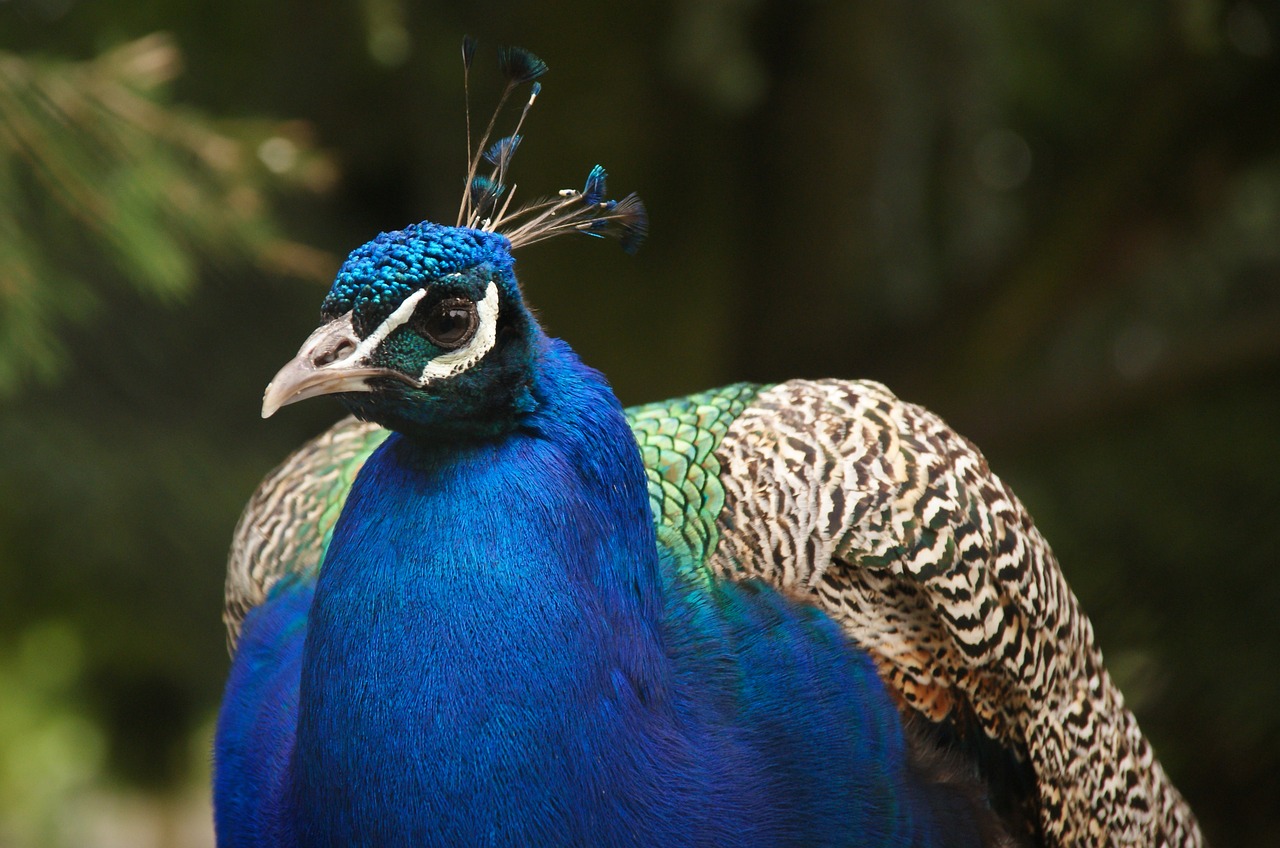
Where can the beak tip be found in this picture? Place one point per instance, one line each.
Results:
(270, 403)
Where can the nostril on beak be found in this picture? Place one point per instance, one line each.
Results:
(341, 350)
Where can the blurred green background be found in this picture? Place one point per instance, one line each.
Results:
(1056, 223)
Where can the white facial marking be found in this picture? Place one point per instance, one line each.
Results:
(397, 318)
(454, 362)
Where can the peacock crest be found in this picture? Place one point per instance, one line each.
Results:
(486, 200)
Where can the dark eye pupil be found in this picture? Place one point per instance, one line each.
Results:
(450, 324)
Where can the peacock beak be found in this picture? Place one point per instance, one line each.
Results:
(331, 360)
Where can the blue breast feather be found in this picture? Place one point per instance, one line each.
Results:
(497, 652)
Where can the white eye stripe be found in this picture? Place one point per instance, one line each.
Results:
(454, 362)
(394, 321)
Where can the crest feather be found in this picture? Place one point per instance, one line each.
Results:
(588, 211)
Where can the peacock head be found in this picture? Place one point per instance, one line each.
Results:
(425, 329)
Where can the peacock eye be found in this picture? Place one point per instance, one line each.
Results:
(448, 324)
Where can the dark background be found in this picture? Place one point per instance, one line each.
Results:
(1055, 223)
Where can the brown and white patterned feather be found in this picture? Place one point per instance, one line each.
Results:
(894, 525)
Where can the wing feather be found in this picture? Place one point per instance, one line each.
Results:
(893, 524)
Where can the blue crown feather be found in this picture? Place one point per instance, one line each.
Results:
(502, 150)
(594, 191)
(520, 65)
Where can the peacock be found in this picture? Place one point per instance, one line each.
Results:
(492, 607)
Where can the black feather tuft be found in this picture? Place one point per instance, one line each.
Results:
(633, 220)
(519, 65)
(468, 51)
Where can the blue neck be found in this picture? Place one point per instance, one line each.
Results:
(481, 610)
